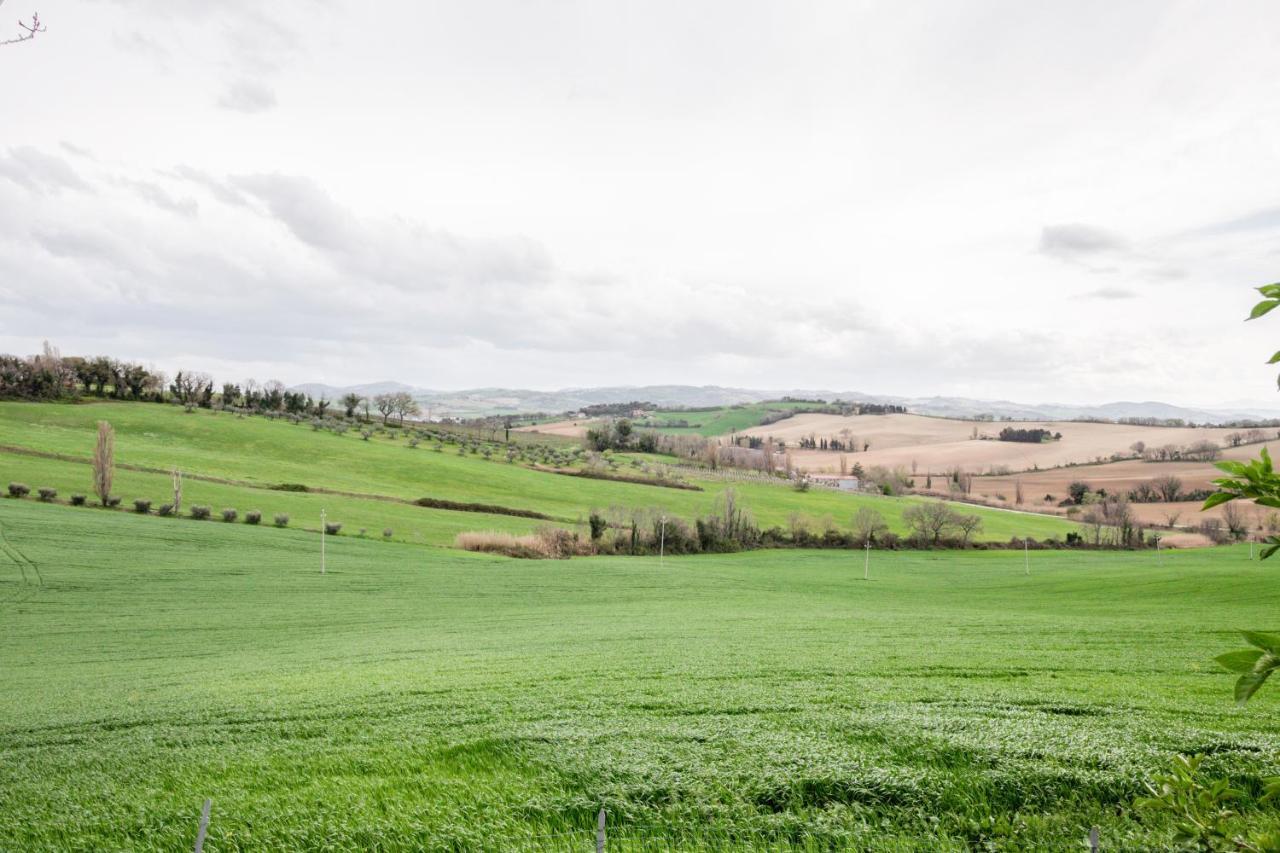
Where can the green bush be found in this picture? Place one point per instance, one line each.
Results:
(386, 533)
(200, 513)
(252, 517)
(112, 502)
(282, 519)
(142, 507)
(47, 495)
(332, 528)
(165, 509)
(229, 515)
(19, 490)
(77, 500)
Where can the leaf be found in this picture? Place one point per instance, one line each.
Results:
(1241, 661)
(1272, 291)
(1217, 498)
(1266, 642)
(1248, 684)
(1275, 358)
(1263, 307)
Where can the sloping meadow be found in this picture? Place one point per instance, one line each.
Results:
(413, 698)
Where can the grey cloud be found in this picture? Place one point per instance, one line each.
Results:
(156, 195)
(1267, 219)
(77, 150)
(1112, 293)
(138, 43)
(38, 171)
(303, 207)
(1076, 241)
(220, 190)
(247, 96)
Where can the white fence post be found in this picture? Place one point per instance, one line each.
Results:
(600, 831)
(204, 824)
(1093, 840)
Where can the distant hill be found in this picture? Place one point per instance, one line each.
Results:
(477, 402)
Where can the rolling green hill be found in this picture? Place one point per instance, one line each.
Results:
(376, 478)
(431, 699)
(723, 420)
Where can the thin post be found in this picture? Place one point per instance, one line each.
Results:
(662, 543)
(1026, 557)
(1159, 553)
(866, 563)
(600, 831)
(1093, 840)
(204, 824)
(322, 528)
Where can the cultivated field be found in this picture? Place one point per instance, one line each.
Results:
(938, 443)
(424, 699)
(372, 484)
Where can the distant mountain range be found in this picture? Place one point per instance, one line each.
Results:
(478, 402)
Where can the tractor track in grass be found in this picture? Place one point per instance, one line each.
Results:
(30, 583)
(428, 502)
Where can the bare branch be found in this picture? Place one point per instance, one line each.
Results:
(30, 30)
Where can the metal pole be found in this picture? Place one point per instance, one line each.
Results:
(866, 563)
(204, 825)
(322, 528)
(662, 543)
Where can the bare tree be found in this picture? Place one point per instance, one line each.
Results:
(1017, 492)
(1138, 447)
(403, 405)
(868, 524)
(386, 404)
(968, 524)
(1168, 486)
(104, 461)
(1234, 518)
(929, 521)
(177, 492)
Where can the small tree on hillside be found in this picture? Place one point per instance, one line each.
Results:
(929, 521)
(104, 461)
(867, 525)
(386, 404)
(1169, 487)
(351, 402)
(404, 405)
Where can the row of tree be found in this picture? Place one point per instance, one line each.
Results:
(51, 376)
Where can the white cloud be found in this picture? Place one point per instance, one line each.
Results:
(878, 197)
(247, 96)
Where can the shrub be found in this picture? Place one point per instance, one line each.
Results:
(112, 501)
(386, 533)
(200, 513)
(282, 519)
(252, 517)
(332, 528)
(47, 495)
(141, 507)
(165, 509)
(229, 515)
(19, 490)
(77, 500)
(546, 543)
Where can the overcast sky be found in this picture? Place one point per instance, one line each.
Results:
(1063, 201)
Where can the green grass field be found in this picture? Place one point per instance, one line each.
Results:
(723, 420)
(258, 453)
(417, 698)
